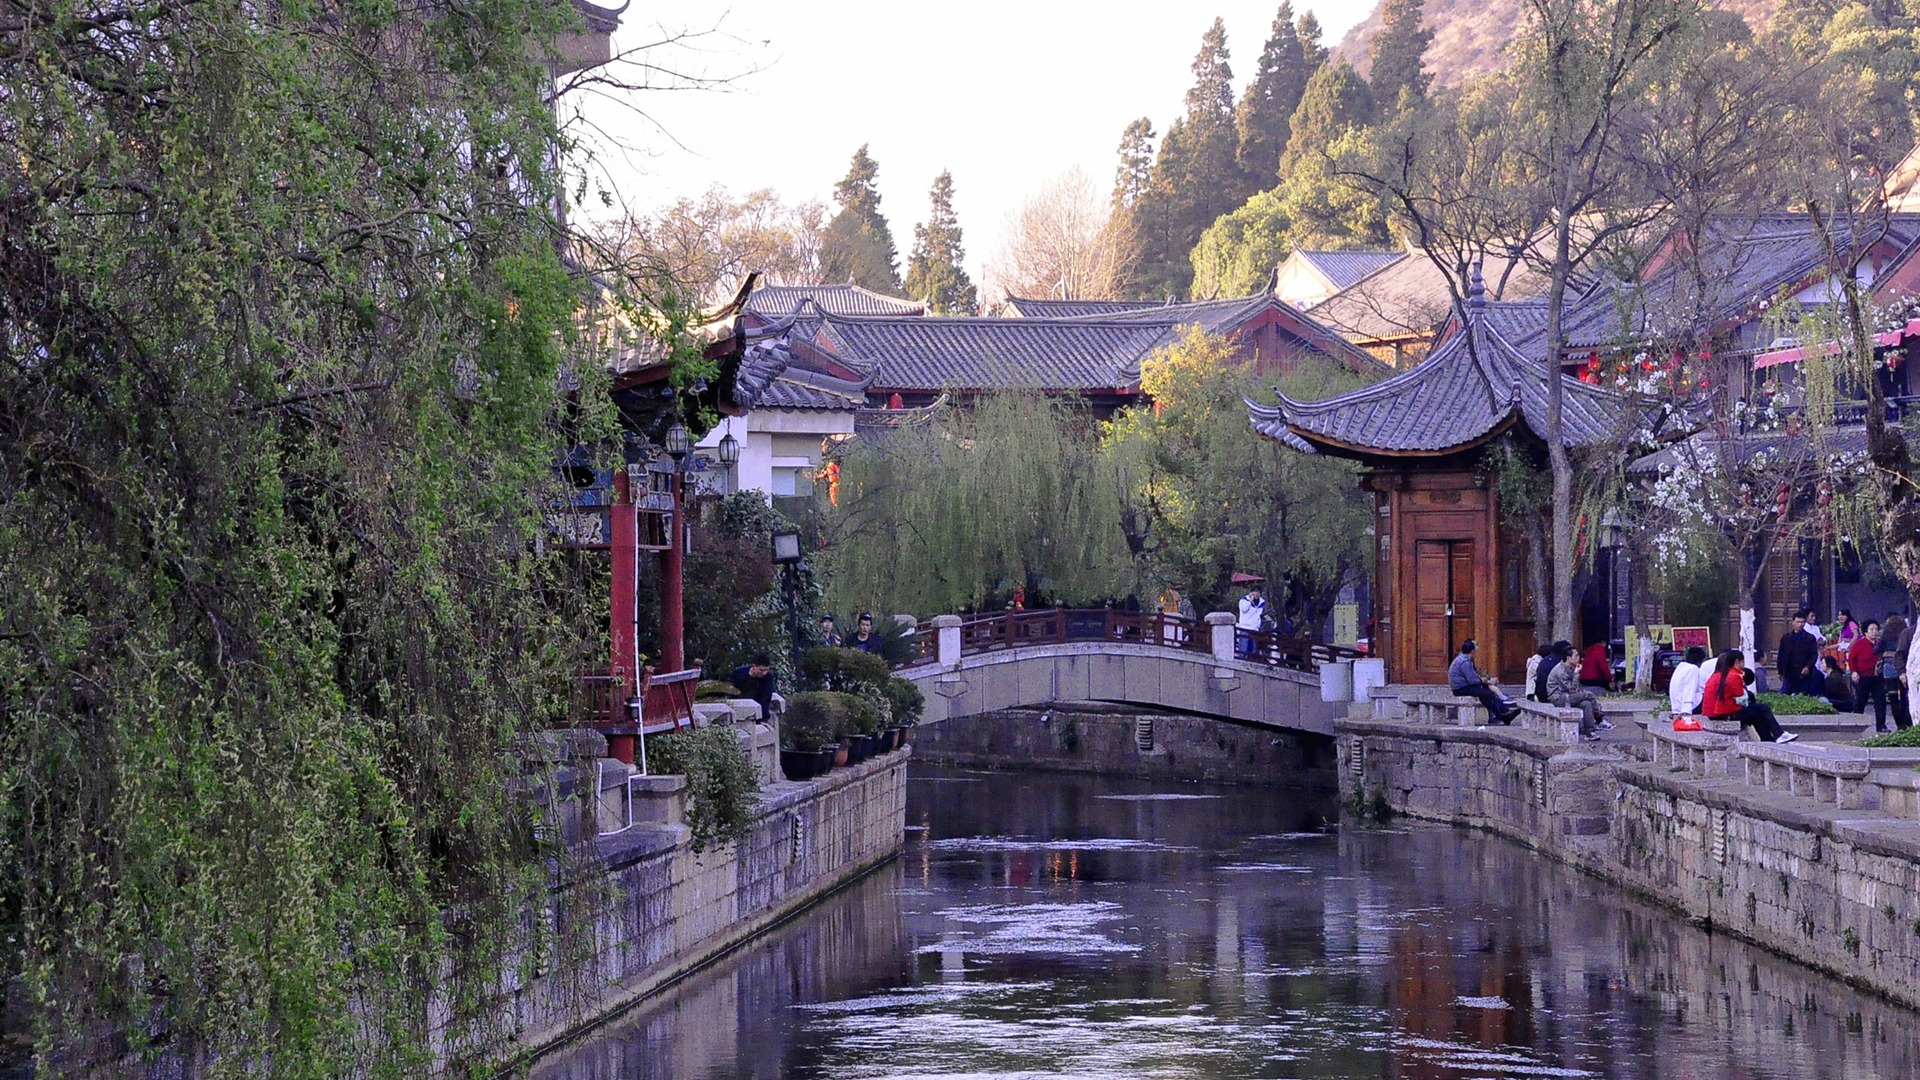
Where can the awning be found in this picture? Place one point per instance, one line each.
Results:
(1891, 338)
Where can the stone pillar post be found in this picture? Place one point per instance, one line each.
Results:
(947, 628)
(1220, 626)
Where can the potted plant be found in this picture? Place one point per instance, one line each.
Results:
(807, 733)
(907, 704)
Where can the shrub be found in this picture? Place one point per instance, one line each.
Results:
(715, 690)
(1908, 736)
(867, 712)
(906, 700)
(1797, 705)
(829, 668)
(813, 719)
(722, 788)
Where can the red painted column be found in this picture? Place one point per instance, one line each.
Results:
(673, 646)
(624, 663)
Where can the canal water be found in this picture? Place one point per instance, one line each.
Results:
(1063, 926)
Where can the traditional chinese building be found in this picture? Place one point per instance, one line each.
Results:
(1447, 565)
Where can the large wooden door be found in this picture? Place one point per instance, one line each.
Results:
(1443, 603)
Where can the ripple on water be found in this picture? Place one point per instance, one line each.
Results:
(985, 844)
(1157, 797)
(1006, 929)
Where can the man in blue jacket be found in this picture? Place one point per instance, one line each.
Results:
(1466, 681)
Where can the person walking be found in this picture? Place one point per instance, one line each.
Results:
(1795, 660)
(1895, 644)
(1466, 681)
(1726, 697)
(1565, 691)
(1688, 683)
(1863, 663)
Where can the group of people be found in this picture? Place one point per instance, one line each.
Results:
(1727, 692)
(1558, 683)
(1875, 670)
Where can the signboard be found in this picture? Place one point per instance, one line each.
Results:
(578, 528)
(1686, 637)
(1346, 624)
(1661, 633)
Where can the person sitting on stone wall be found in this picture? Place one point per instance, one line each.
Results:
(1466, 681)
(1726, 697)
(1565, 692)
(1688, 683)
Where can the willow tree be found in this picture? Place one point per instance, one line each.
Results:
(1203, 495)
(282, 327)
(1006, 492)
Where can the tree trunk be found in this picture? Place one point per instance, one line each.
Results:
(1537, 581)
(1562, 517)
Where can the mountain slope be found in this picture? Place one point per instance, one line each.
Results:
(1470, 36)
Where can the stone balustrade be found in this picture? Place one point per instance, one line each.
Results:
(1827, 774)
(1441, 707)
(1703, 753)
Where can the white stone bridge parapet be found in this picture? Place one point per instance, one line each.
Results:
(1147, 659)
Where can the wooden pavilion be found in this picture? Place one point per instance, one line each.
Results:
(1446, 565)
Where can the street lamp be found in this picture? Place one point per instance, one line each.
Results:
(679, 443)
(730, 460)
(787, 556)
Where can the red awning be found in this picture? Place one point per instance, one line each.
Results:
(1799, 352)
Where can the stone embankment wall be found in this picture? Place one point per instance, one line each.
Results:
(1835, 888)
(1119, 742)
(669, 910)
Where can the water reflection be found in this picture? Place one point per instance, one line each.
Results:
(1072, 926)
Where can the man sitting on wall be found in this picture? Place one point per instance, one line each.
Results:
(1465, 681)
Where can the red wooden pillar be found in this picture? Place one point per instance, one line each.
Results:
(624, 664)
(673, 646)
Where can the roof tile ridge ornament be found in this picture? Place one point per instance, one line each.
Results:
(1476, 292)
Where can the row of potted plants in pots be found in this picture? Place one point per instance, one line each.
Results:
(822, 729)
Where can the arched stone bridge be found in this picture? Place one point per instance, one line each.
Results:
(1032, 658)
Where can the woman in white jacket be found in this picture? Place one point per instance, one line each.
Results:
(1688, 684)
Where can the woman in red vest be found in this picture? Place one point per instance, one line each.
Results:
(1726, 698)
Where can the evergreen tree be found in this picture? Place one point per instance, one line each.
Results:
(1130, 180)
(1266, 108)
(1337, 100)
(858, 246)
(1310, 47)
(933, 270)
(1398, 54)
(1196, 177)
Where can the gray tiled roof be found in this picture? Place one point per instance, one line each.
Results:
(779, 301)
(1739, 450)
(1220, 316)
(978, 353)
(1343, 268)
(1473, 387)
(810, 390)
(1027, 307)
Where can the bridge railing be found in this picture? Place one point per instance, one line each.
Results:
(1054, 626)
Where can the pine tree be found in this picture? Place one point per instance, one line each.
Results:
(858, 246)
(933, 270)
(1196, 177)
(1337, 100)
(1135, 172)
(1398, 54)
(1310, 47)
(1266, 108)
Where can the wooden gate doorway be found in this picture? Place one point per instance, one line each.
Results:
(1443, 605)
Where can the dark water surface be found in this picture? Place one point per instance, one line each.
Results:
(1044, 925)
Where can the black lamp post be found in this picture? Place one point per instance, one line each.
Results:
(787, 556)
(730, 461)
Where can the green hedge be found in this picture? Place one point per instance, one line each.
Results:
(1798, 705)
(1909, 736)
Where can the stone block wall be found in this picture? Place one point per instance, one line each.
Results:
(1109, 742)
(668, 910)
(1835, 889)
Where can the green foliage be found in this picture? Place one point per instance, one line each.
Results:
(1205, 496)
(833, 668)
(715, 690)
(934, 273)
(1237, 253)
(905, 701)
(1135, 172)
(733, 600)
(1312, 207)
(1796, 704)
(1195, 179)
(1336, 101)
(723, 790)
(284, 336)
(1900, 737)
(813, 718)
(858, 245)
(945, 515)
(866, 712)
(1399, 54)
(1264, 117)
(1697, 591)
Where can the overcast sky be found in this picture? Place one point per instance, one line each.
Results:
(1006, 94)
